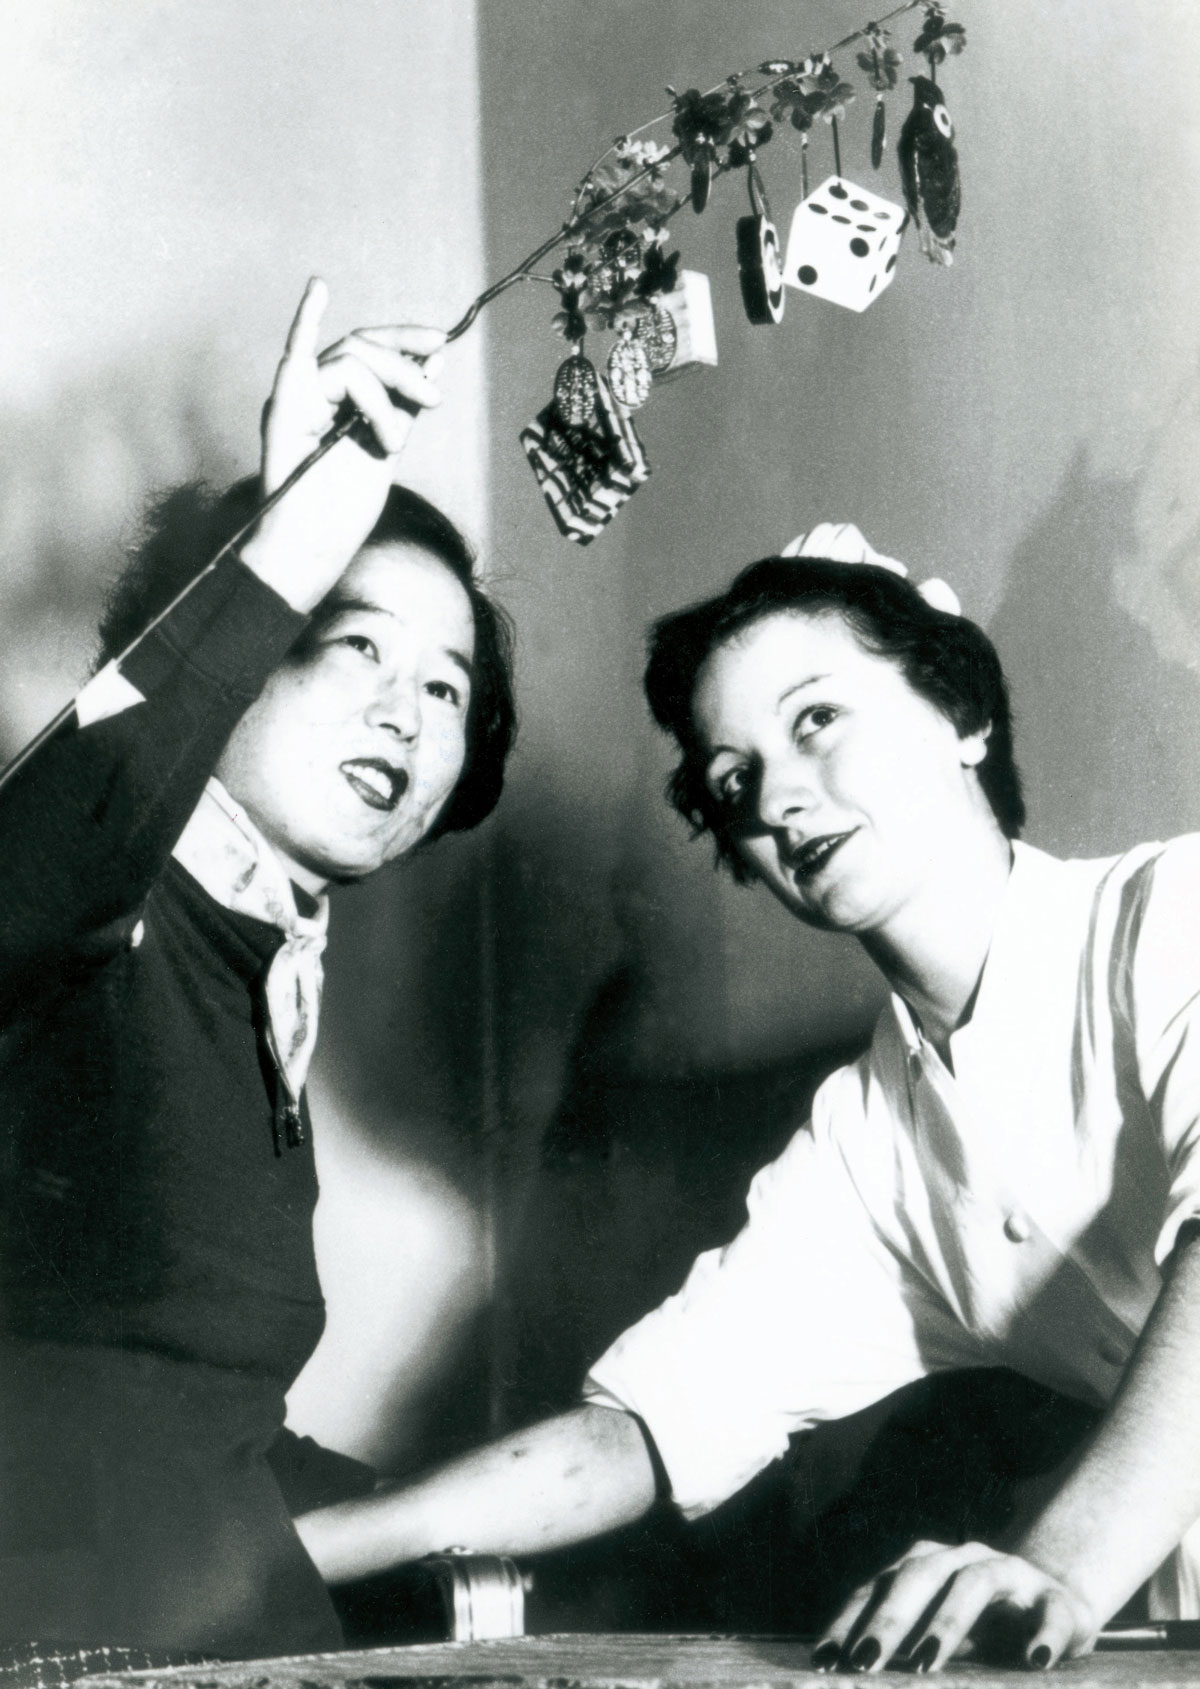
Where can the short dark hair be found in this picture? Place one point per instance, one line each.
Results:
(184, 529)
(946, 659)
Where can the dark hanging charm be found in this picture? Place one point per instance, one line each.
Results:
(928, 162)
(878, 132)
(882, 65)
(575, 391)
(701, 180)
(572, 284)
(804, 167)
(760, 269)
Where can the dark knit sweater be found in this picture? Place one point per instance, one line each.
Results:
(143, 1200)
(146, 1207)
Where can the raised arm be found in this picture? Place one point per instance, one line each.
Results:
(388, 375)
(559, 1482)
(87, 824)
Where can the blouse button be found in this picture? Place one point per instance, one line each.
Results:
(1111, 1351)
(914, 1064)
(1017, 1228)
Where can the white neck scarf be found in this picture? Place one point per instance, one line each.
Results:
(223, 849)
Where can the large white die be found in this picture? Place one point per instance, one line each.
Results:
(844, 243)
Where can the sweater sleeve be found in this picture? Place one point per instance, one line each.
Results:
(87, 825)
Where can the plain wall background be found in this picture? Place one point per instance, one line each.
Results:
(1025, 425)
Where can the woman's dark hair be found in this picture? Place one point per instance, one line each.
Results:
(187, 527)
(946, 659)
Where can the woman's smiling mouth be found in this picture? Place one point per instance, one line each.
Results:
(812, 856)
(379, 784)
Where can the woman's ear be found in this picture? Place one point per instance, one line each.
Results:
(973, 747)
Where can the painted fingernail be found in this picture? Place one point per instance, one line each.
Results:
(1039, 1659)
(924, 1656)
(865, 1655)
(825, 1657)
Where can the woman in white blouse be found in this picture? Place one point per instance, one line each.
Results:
(1010, 1176)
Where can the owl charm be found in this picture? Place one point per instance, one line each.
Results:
(929, 170)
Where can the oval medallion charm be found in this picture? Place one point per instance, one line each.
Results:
(629, 373)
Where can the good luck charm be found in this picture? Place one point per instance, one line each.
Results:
(618, 279)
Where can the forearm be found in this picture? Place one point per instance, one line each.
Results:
(1136, 1490)
(553, 1484)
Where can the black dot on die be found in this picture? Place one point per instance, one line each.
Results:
(806, 275)
(882, 215)
(838, 219)
(838, 191)
(859, 205)
(821, 210)
(891, 263)
(867, 228)
(859, 247)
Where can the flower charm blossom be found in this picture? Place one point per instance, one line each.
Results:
(639, 155)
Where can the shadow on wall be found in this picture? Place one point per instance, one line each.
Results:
(1105, 722)
(400, 1102)
(74, 474)
(638, 1175)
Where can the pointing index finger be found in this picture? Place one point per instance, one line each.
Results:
(306, 324)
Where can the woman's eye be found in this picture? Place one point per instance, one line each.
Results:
(731, 787)
(813, 719)
(359, 642)
(445, 691)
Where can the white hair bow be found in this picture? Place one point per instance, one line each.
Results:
(842, 542)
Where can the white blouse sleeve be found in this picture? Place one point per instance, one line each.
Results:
(806, 1315)
(1165, 1012)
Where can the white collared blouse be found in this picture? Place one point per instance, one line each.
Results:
(1014, 1212)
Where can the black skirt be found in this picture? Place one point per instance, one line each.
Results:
(139, 1508)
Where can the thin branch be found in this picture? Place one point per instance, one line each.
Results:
(579, 220)
(766, 87)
